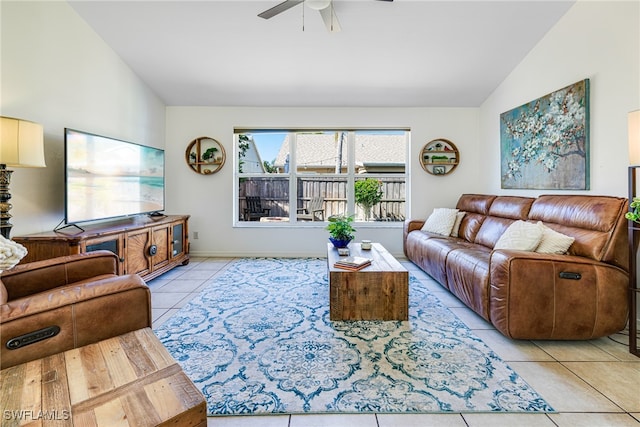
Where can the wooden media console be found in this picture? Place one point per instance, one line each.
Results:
(145, 245)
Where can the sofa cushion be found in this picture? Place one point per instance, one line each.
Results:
(440, 221)
(476, 203)
(512, 207)
(597, 213)
(470, 225)
(456, 224)
(522, 236)
(491, 230)
(504, 210)
(40, 276)
(591, 220)
(553, 242)
(477, 207)
(467, 275)
(431, 251)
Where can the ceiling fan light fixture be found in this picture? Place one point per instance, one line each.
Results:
(318, 4)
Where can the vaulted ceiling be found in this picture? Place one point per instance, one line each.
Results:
(405, 53)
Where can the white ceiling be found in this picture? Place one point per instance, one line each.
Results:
(404, 53)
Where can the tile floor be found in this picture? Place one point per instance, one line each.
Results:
(589, 383)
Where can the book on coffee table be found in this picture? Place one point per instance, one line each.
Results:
(352, 263)
(344, 267)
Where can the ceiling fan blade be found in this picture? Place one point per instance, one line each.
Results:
(279, 8)
(330, 19)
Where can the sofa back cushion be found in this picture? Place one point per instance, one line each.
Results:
(475, 203)
(504, 211)
(596, 222)
(476, 207)
(31, 278)
(513, 207)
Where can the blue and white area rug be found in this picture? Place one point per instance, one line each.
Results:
(259, 340)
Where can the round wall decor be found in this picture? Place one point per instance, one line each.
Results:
(205, 155)
(439, 157)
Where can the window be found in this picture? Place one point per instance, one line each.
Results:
(308, 175)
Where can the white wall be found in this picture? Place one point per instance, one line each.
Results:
(598, 40)
(56, 71)
(209, 198)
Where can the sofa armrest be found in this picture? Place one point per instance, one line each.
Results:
(548, 296)
(84, 313)
(40, 276)
(409, 226)
(412, 224)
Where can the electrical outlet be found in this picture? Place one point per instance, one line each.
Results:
(195, 235)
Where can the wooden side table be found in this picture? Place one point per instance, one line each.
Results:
(127, 380)
(377, 292)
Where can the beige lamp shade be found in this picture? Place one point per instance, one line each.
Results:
(21, 143)
(634, 138)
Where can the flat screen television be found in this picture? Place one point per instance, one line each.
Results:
(109, 178)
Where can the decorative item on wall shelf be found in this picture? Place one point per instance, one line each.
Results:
(205, 155)
(439, 157)
(545, 144)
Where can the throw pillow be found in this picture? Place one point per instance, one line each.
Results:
(553, 242)
(440, 221)
(521, 235)
(456, 224)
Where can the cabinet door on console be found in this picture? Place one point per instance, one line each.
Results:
(138, 258)
(178, 242)
(113, 243)
(160, 255)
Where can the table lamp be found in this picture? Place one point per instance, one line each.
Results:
(21, 145)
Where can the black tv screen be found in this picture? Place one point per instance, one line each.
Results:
(108, 178)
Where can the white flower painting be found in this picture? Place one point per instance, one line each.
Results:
(545, 143)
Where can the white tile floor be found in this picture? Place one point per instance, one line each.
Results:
(589, 383)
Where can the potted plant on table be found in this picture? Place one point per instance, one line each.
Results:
(340, 230)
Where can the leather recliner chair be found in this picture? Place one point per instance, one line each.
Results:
(50, 306)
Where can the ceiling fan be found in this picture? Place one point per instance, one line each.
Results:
(325, 7)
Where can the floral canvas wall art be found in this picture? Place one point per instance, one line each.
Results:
(545, 144)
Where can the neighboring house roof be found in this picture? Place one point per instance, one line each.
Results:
(320, 151)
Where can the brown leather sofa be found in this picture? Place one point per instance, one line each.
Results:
(527, 295)
(51, 306)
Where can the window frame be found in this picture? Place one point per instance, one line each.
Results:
(293, 174)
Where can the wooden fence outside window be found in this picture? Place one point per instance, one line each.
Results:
(274, 193)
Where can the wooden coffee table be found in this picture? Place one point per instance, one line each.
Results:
(130, 380)
(377, 292)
